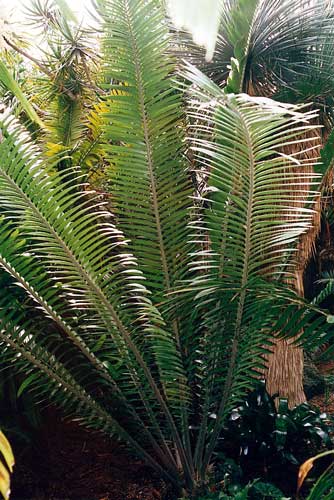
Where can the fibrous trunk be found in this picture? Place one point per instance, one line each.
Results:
(286, 362)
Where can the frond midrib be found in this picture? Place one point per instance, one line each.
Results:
(141, 94)
(99, 293)
(244, 279)
(154, 190)
(81, 395)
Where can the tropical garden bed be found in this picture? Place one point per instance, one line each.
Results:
(64, 461)
(166, 250)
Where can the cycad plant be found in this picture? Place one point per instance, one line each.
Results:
(145, 314)
(280, 49)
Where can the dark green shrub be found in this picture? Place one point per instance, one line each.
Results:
(263, 439)
(254, 490)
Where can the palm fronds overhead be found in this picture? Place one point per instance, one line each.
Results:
(276, 48)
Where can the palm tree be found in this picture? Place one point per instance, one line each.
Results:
(147, 314)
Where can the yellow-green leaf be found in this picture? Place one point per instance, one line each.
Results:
(10, 83)
(8, 457)
(305, 468)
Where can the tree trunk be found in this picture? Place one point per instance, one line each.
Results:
(285, 372)
(286, 363)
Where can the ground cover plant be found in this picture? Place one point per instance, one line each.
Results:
(157, 211)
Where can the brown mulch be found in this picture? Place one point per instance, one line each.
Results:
(326, 367)
(70, 462)
(324, 402)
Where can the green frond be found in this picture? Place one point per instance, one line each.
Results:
(10, 83)
(144, 140)
(65, 128)
(27, 272)
(251, 219)
(85, 259)
(301, 45)
(93, 282)
(323, 488)
(144, 144)
(246, 165)
(295, 66)
(50, 380)
(90, 154)
(328, 281)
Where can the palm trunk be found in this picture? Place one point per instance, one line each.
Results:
(285, 372)
(286, 363)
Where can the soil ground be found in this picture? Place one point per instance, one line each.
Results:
(71, 463)
(325, 401)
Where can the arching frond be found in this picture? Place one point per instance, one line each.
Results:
(251, 219)
(144, 140)
(89, 285)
